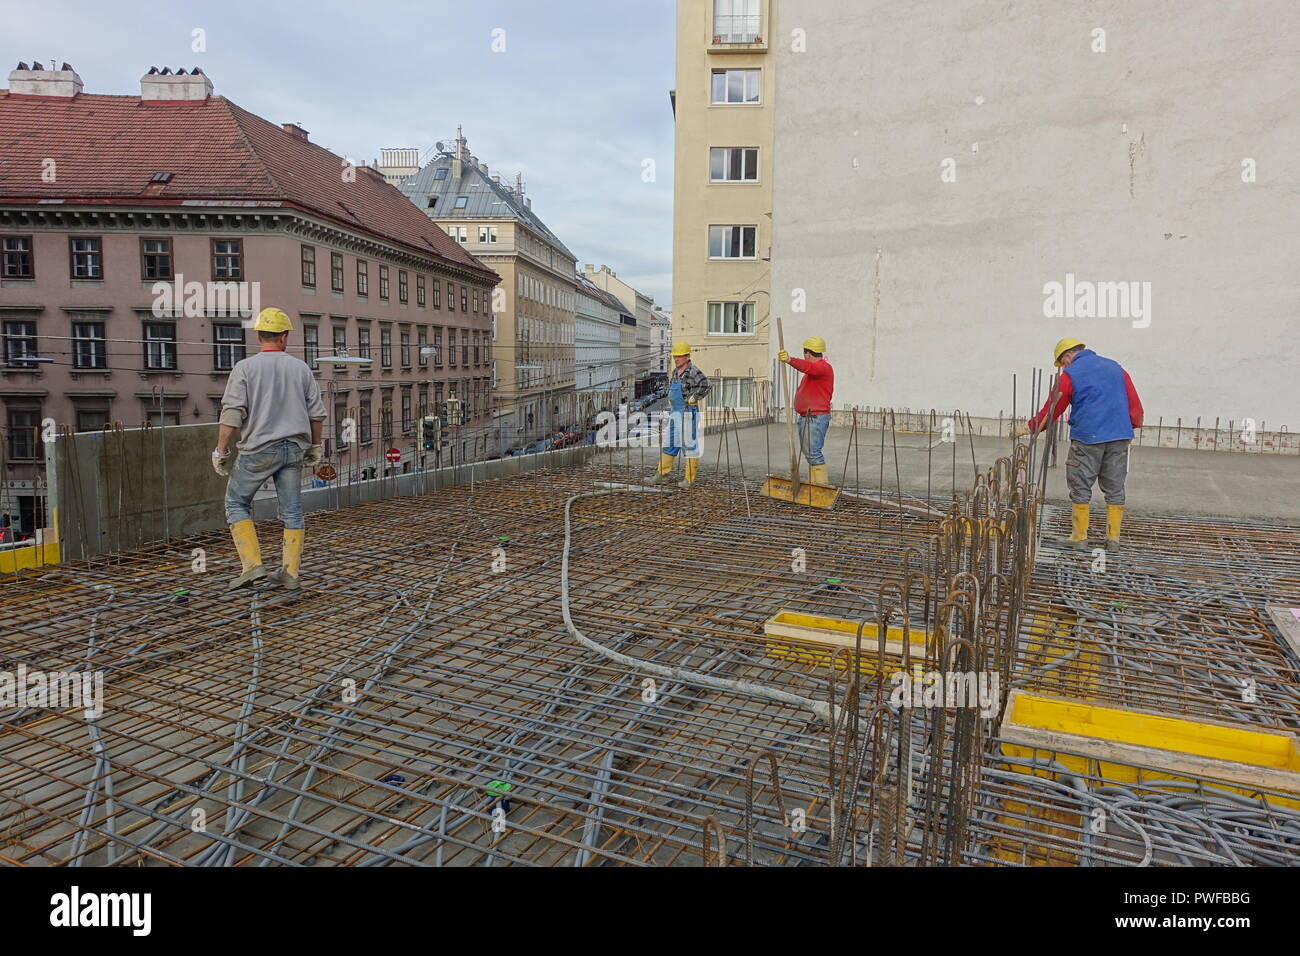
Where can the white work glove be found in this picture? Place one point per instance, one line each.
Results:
(220, 463)
(312, 456)
(783, 355)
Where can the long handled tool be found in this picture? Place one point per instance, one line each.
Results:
(792, 489)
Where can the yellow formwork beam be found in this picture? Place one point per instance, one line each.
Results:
(814, 638)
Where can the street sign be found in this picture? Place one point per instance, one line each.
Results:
(393, 455)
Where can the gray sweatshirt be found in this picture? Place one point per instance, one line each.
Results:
(269, 397)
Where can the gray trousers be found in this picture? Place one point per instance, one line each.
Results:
(1105, 463)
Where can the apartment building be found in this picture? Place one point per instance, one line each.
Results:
(533, 377)
(723, 106)
(139, 233)
(599, 325)
(639, 310)
(661, 338)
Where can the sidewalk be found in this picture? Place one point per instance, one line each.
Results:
(1161, 480)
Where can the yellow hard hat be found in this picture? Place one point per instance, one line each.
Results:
(815, 343)
(273, 320)
(1064, 346)
(681, 348)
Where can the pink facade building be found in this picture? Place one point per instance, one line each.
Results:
(137, 234)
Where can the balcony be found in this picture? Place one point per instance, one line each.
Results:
(737, 34)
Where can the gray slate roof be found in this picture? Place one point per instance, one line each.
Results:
(485, 198)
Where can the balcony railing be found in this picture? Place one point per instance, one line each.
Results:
(736, 29)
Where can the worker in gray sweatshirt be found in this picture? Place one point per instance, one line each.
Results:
(273, 402)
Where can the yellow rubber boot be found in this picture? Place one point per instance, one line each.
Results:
(817, 475)
(1078, 539)
(1114, 518)
(664, 475)
(250, 554)
(692, 465)
(290, 559)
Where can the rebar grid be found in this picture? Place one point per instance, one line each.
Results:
(232, 736)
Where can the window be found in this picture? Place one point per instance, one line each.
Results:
(464, 299)
(24, 427)
(407, 423)
(475, 298)
(363, 277)
(487, 233)
(169, 414)
(405, 338)
(451, 348)
(419, 292)
(459, 233)
(423, 401)
(91, 417)
(336, 271)
(433, 202)
(363, 341)
(735, 21)
(402, 286)
(732, 242)
(451, 297)
(311, 345)
(160, 346)
(437, 294)
(437, 347)
(227, 346)
(87, 257)
(736, 393)
(386, 415)
(309, 266)
(88, 347)
(477, 352)
(365, 423)
(421, 342)
(383, 282)
(228, 259)
(733, 164)
(731, 318)
(385, 346)
(340, 344)
(156, 258)
(20, 343)
(440, 174)
(736, 86)
(437, 398)
(340, 419)
(16, 258)
(462, 202)
(464, 346)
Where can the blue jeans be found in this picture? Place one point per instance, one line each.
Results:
(280, 461)
(812, 435)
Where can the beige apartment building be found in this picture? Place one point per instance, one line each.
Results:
(535, 302)
(635, 348)
(722, 202)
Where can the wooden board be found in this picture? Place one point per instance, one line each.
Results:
(1287, 620)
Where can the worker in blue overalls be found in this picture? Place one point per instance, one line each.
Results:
(687, 385)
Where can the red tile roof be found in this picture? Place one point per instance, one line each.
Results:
(106, 148)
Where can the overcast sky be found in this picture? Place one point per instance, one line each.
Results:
(577, 101)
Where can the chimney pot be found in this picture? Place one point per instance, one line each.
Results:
(39, 81)
(164, 86)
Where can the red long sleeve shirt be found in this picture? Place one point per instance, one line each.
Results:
(814, 393)
(1065, 393)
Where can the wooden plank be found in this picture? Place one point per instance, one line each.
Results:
(1287, 620)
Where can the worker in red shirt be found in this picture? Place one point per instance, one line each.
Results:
(812, 403)
(1104, 410)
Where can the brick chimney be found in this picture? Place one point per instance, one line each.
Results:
(38, 81)
(295, 130)
(168, 87)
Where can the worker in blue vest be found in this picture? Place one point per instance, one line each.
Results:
(1104, 410)
(686, 387)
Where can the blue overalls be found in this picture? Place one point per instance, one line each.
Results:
(683, 424)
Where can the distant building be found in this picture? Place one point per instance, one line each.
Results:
(599, 325)
(104, 199)
(533, 377)
(661, 339)
(636, 347)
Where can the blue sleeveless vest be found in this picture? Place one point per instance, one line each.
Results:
(1099, 405)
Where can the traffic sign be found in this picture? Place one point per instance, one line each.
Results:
(393, 455)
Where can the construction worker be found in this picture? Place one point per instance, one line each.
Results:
(1104, 410)
(812, 402)
(273, 402)
(686, 386)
